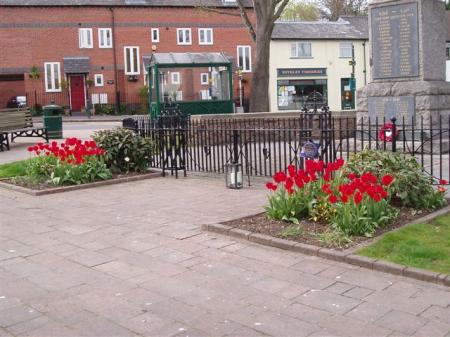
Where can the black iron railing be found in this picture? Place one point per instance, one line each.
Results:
(268, 145)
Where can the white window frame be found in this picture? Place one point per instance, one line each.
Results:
(246, 68)
(202, 77)
(145, 73)
(205, 35)
(155, 30)
(53, 87)
(345, 46)
(99, 76)
(138, 62)
(183, 32)
(103, 32)
(172, 77)
(83, 34)
(297, 49)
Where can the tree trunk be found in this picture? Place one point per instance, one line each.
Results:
(259, 100)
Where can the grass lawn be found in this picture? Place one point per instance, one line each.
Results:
(13, 169)
(425, 246)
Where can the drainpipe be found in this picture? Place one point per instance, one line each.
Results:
(116, 77)
(365, 67)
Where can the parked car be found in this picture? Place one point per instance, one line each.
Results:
(17, 102)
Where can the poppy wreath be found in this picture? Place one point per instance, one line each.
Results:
(386, 132)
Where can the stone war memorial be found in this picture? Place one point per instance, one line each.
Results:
(407, 58)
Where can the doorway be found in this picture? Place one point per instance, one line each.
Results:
(77, 93)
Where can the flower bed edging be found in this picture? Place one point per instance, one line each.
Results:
(63, 189)
(346, 256)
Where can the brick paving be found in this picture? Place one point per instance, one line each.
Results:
(131, 260)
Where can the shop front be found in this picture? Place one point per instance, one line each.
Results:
(297, 87)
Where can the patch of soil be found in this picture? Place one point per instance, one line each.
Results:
(45, 185)
(312, 232)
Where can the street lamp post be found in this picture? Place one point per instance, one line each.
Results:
(241, 99)
(352, 77)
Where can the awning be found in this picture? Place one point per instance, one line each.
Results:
(77, 65)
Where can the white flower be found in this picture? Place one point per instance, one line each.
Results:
(127, 159)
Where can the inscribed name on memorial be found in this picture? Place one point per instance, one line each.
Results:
(401, 107)
(395, 41)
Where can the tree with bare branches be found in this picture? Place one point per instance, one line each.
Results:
(266, 13)
(337, 8)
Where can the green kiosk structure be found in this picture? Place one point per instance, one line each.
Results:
(198, 83)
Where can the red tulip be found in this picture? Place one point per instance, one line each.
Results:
(387, 180)
(271, 186)
(333, 199)
(358, 198)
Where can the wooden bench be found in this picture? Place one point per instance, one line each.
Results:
(18, 123)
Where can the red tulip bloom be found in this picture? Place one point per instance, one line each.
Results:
(369, 178)
(271, 186)
(310, 166)
(387, 180)
(289, 184)
(279, 177)
(299, 182)
(352, 176)
(344, 198)
(443, 182)
(326, 189)
(319, 166)
(358, 198)
(333, 199)
(291, 170)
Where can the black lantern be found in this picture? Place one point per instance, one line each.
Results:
(233, 170)
(233, 176)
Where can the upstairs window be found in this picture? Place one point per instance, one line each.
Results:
(244, 54)
(105, 38)
(132, 61)
(205, 36)
(447, 51)
(52, 76)
(301, 50)
(155, 34)
(204, 78)
(184, 36)
(175, 78)
(85, 39)
(345, 49)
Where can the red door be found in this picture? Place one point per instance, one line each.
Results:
(77, 92)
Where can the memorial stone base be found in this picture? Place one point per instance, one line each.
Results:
(431, 100)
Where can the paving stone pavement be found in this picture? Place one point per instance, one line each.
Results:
(131, 260)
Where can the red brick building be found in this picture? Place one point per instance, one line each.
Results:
(85, 50)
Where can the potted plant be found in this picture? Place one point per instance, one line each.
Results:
(34, 73)
(89, 82)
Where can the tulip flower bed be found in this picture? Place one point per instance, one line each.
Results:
(333, 206)
(71, 162)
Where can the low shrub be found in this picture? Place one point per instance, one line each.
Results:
(125, 150)
(70, 163)
(412, 187)
(104, 109)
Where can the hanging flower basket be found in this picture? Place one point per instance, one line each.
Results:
(386, 133)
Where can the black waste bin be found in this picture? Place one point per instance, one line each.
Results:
(53, 120)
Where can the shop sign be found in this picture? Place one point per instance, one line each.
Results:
(293, 72)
